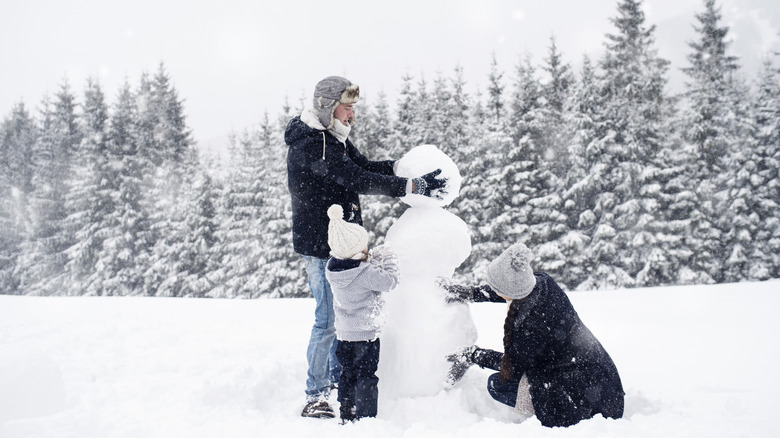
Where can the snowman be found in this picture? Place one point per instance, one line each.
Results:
(420, 328)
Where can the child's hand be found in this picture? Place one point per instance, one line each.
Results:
(384, 256)
(382, 251)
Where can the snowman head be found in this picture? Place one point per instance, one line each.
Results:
(424, 159)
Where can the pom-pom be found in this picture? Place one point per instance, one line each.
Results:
(335, 212)
(521, 258)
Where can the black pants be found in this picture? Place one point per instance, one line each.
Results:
(358, 392)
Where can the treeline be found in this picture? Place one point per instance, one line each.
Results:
(611, 181)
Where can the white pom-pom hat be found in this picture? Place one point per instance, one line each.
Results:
(510, 274)
(346, 240)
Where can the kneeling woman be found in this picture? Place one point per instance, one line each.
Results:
(552, 365)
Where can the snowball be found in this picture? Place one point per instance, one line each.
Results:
(424, 159)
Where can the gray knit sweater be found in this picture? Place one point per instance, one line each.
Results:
(357, 294)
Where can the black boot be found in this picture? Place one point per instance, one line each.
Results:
(347, 413)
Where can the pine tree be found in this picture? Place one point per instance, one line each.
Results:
(495, 104)
(280, 272)
(440, 114)
(410, 129)
(294, 268)
(198, 257)
(42, 260)
(579, 187)
(378, 144)
(740, 223)
(458, 132)
(406, 116)
(124, 255)
(163, 113)
(457, 138)
(469, 205)
(525, 117)
(241, 231)
(709, 127)
(488, 184)
(377, 129)
(486, 194)
(18, 134)
(423, 129)
(525, 176)
(482, 193)
(710, 73)
(667, 191)
(535, 199)
(765, 177)
(629, 136)
(90, 187)
(555, 93)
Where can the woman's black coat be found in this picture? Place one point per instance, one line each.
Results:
(572, 377)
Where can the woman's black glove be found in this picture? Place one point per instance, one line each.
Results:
(462, 359)
(454, 292)
(429, 185)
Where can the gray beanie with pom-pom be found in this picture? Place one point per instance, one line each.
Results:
(510, 274)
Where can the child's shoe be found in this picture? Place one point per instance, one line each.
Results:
(347, 413)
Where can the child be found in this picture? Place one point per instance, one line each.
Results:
(552, 365)
(357, 279)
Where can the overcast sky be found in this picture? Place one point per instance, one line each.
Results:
(233, 60)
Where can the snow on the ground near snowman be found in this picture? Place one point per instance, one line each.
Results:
(420, 327)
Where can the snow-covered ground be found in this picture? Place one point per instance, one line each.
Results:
(697, 361)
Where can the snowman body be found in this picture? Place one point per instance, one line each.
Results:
(420, 328)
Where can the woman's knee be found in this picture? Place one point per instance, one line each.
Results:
(505, 393)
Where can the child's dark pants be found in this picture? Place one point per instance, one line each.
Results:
(358, 392)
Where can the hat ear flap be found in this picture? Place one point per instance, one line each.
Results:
(332, 118)
(325, 108)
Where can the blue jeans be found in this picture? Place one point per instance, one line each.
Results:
(324, 368)
(505, 393)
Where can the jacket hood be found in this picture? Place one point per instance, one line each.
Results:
(297, 129)
(344, 278)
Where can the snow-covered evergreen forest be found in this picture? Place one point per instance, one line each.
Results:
(611, 180)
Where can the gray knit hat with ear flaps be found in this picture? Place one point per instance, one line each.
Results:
(330, 92)
(510, 274)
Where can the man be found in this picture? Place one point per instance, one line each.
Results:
(325, 168)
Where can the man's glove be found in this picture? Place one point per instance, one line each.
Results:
(461, 359)
(429, 185)
(454, 292)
